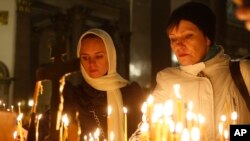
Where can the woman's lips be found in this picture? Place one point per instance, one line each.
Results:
(182, 55)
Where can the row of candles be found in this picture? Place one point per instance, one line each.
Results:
(164, 122)
(158, 122)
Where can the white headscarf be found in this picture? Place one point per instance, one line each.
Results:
(110, 83)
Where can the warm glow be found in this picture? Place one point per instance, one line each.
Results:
(171, 126)
(19, 117)
(144, 127)
(223, 118)
(125, 110)
(30, 103)
(226, 134)
(109, 110)
(177, 90)
(190, 105)
(201, 119)
(39, 116)
(112, 136)
(85, 137)
(178, 127)
(168, 108)
(185, 136)
(220, 128)
(150, 99)
(65, 120)
(15, 134)
(189, 115)
(234, 116)
(195, 134)
(144, 108)
(97, 133)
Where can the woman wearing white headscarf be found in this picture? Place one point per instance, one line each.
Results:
(102, 87)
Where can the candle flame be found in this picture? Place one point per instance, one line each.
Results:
(195, 134)
(144, 127)
(39, 116)
(220, 128)
(177, 90)
(125, 110)
(144, 107)
(19, 117)
(15, 134)
(223, 118)
(178, 127)
(185, 136)
(109, 110)
(226, 134)
(65, 120)
(112, 136)
(168, 108)
(150, 99)
(97, 133)
(234, 116)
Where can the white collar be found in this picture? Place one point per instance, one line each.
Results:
(193, 69)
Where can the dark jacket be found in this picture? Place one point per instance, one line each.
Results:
(91, 104)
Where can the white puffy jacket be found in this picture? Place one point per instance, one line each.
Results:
(211, 88)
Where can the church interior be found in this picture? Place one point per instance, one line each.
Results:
(35, 32)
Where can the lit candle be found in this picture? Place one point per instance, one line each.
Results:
(201, 120)
(171, 129)
(234, 117)
(149, 104)
(109, 122)
(220, 128)
(12, 108)
(195, 134)
(179, 104)
(112, 136)
(19, 125)
(226, 134)
(178, 130)
(65, 121)
(37, 126)
(15, 135)
(96, 134)
(185, 136)
(19, 107)
(144, 128)
(125, 110)
(85, 137)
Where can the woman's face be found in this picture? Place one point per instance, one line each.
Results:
(93, 57)
(188, 43)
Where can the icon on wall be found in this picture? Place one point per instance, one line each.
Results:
(4, 17)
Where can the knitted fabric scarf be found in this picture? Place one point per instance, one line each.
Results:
(112, 82)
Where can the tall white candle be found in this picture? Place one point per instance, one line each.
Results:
(125, 110)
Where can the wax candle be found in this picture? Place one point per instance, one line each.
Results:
(14, 135)
(195, 134)
(19, 107)
(37, 126)
(234, 117)
(19, 125)
(109, 121)
(144, 128)
(179, 103)
(97, 134)
(125, 110)
(226, 134)
(112, 136)
(65, 121)
(185, 136)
